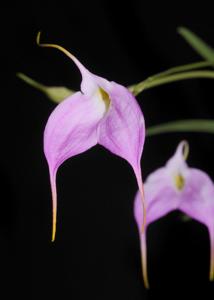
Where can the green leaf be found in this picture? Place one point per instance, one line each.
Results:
(195, 125)
(197, 44)
(55, 93)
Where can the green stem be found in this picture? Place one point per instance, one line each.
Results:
(187, 67)
(191, 125)
(144, 85)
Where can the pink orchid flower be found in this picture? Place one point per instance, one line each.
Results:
(102, 112)
(177, 186)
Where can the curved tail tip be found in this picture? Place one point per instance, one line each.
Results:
(54, 227)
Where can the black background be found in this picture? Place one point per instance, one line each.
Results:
(96, 254)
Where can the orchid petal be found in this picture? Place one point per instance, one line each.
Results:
(160, 197)
(72, 127)
(198, 197)
(198, 203)
(158, 201)
(70, 130)
(123, 119)
(155, 198)
(122, 131)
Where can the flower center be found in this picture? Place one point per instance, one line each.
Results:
(179, 182)
(105, 98)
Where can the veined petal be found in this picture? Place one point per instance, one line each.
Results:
(71, 129)
(161, 193)
(198, 203)
(198, 197)
(159, 202)
(160, 197)
(122, 131)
